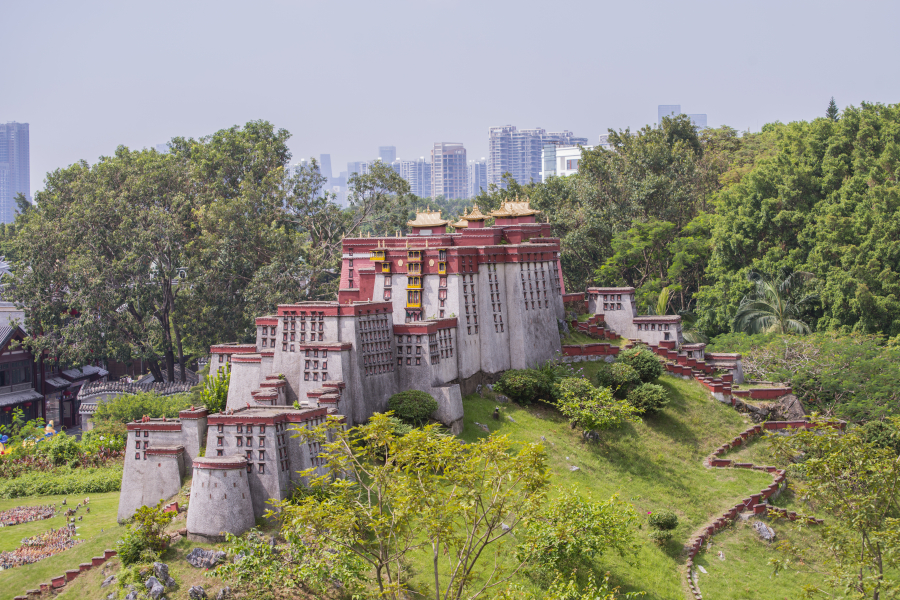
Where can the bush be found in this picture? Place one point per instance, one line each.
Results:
(591, 408)
(662, 524)
(647, 365)
(214, 392)
(524, 386)
(618, 377)
(883, 434)
(61, 449)
(109, 435)
(63, 481)
(129, 407)
(413, 406)
(649, 398)
(145, 539)
(664, 520)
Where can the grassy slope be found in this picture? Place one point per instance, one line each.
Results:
(655, 464)
(99, 530)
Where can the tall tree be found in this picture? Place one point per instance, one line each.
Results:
(832, 112)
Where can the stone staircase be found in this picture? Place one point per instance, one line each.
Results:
(271, 392)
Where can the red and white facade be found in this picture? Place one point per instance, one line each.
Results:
(436, 311)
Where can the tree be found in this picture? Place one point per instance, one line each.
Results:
(214, 394)
(832, 112)
(593, 409)
(858, 486)
(775, 304)
(101, 259)
(384, 496)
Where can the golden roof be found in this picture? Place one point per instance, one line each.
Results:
(514, 209)
(461, 224)
(427, 219)
(475, 215)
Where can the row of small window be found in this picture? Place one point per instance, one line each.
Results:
(379, 369)
(532, 305)
(313, 316)
(320, 326)
(527, 266)
(292, 348)
(409, 350)
(239, 441)
(413, 315)
(409, 339)
(248, 428)
(265, 343)
(409, 360)
(315, 365)
(446, 352)
(367, 325)
(612, 306)
(369, 359)
(652, 327)
(312, 337)
(314, 376)
(375, 347)
(261, 468)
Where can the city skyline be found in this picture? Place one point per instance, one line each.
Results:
(356, 108)
(14, 167)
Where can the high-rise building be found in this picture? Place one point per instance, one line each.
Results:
(387, 154)
(672, 110)
(418, 174)
(449, 171)
(518, 152)
(15, 169)
(667, 110)
(477, 177)
(325, 166)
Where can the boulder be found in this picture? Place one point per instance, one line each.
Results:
(154, 588)
(132, 595)
(205, 559)
(789, 408)
(764, 531)
(224, 593)
(161, 570)
(501, 399)
(197, 593)
(478, 389)
(108, 581)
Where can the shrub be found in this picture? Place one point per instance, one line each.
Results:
(647, 365)
(618, 377)
(110, 435)
(649, 398)
(662, 523)
(524, 386)
(883, 434)
(61, 449)
(146, 537)
(127, 408)
(591, 408)
(413, 406)
(663, 520)
(214, 393)
(63, 481)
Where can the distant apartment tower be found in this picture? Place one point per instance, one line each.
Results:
(560, 161)
(477, 177)
(518, 152)
(325, 166)
(671, 110)
(15, 169)
(449, 171)
(418, 174)
(387, 154)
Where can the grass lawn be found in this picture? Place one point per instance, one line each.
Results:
(655, 464)
(99, 530)
(576, 338)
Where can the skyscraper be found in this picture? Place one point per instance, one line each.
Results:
(672, 110)
(325, 166)
(387, 154)
(477, 177)
(15, 170)
(449, 172)
(418, 174)
(518, 152)
(667, 110)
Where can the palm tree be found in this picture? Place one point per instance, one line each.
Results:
(689, 330)
(773, 306)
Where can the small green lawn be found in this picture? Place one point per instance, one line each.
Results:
(99, 530)
(577, 338)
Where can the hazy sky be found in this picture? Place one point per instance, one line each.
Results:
(345, 77)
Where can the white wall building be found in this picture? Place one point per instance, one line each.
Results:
(560, 161)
